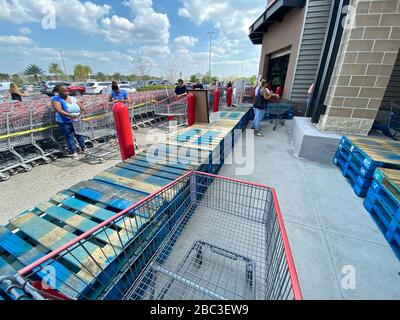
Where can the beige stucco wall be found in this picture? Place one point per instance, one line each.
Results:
(282, 35)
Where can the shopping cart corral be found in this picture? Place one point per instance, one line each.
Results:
(200, 237)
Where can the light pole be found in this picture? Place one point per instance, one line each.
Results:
(65, 69)
(209, 57)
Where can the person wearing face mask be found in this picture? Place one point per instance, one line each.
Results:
(67, 110)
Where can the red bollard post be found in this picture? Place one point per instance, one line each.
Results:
(229, 97)
(191, 109)
(216, 100)
(124, 130)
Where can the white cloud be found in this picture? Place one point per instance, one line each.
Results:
(184, 13)
(15, 40)
(148, 27)
(231, 44)
(24, 30)
(185, 41)
(71, 13)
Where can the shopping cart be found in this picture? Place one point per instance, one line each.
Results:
(276, 110)
(175, 110)
(201, 237)
(101, 135)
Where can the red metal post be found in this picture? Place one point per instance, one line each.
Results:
(191, 109)
(229, 94)
(216, 100)
(124, 130)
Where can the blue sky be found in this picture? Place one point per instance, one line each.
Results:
(164, 37)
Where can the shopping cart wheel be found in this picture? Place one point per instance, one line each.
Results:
(5, 176)
(13, 172)
(53, 157)
(28, 167)
(47, 160)
(34, 163)
(100, 160)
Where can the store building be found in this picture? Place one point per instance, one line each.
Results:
(348, 48)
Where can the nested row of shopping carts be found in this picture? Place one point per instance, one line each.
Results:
(29, 134)
(26, 137)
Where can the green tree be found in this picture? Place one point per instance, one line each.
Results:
(252, 80)
(117, 76)
(207, 78)
(82, 72)
(17, 80)
(4, 76)
(193, 78)
(34, 70)
(101, 76)
(55, 69)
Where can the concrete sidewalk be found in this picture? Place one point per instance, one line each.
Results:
(330, 232)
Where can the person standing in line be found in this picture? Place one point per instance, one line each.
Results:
(310, 92)
(118, 95)
(198, 85)
(180, 89)
(16, 94)
(260, 105)
(68, 109)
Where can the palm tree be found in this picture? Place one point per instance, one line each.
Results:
(117, 76)
(82, 72)
(33, 70)
(100, 76)
(55, 69)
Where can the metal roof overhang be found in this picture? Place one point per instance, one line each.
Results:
(274, 13)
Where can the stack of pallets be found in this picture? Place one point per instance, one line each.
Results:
(383, 203)
(358, 157)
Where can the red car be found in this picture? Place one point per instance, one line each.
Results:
(76, 89)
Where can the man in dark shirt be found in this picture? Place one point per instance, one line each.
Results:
(180, 89)
(198, 85)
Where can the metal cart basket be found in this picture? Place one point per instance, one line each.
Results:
(200, 237)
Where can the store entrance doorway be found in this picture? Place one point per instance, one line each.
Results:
(276, 73)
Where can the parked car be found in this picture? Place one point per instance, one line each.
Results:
(76, 89)
(127, 87)
(48, 86)
(97, 87)
(28, 88)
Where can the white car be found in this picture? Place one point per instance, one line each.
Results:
(97, 87)
(128, 88)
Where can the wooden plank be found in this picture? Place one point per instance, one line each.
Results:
(132, 180)
(169, 162)
(113, 196)
(148, 171)
(378, 149)
(52, 237)
(66, 281)
(99, 213)
(5, 268)
(79, 223)
(161, 167)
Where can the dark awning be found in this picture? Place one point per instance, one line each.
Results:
(274, 13)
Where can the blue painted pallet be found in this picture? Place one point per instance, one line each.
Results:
(359, 183)
(369, 153)
(388, 225)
